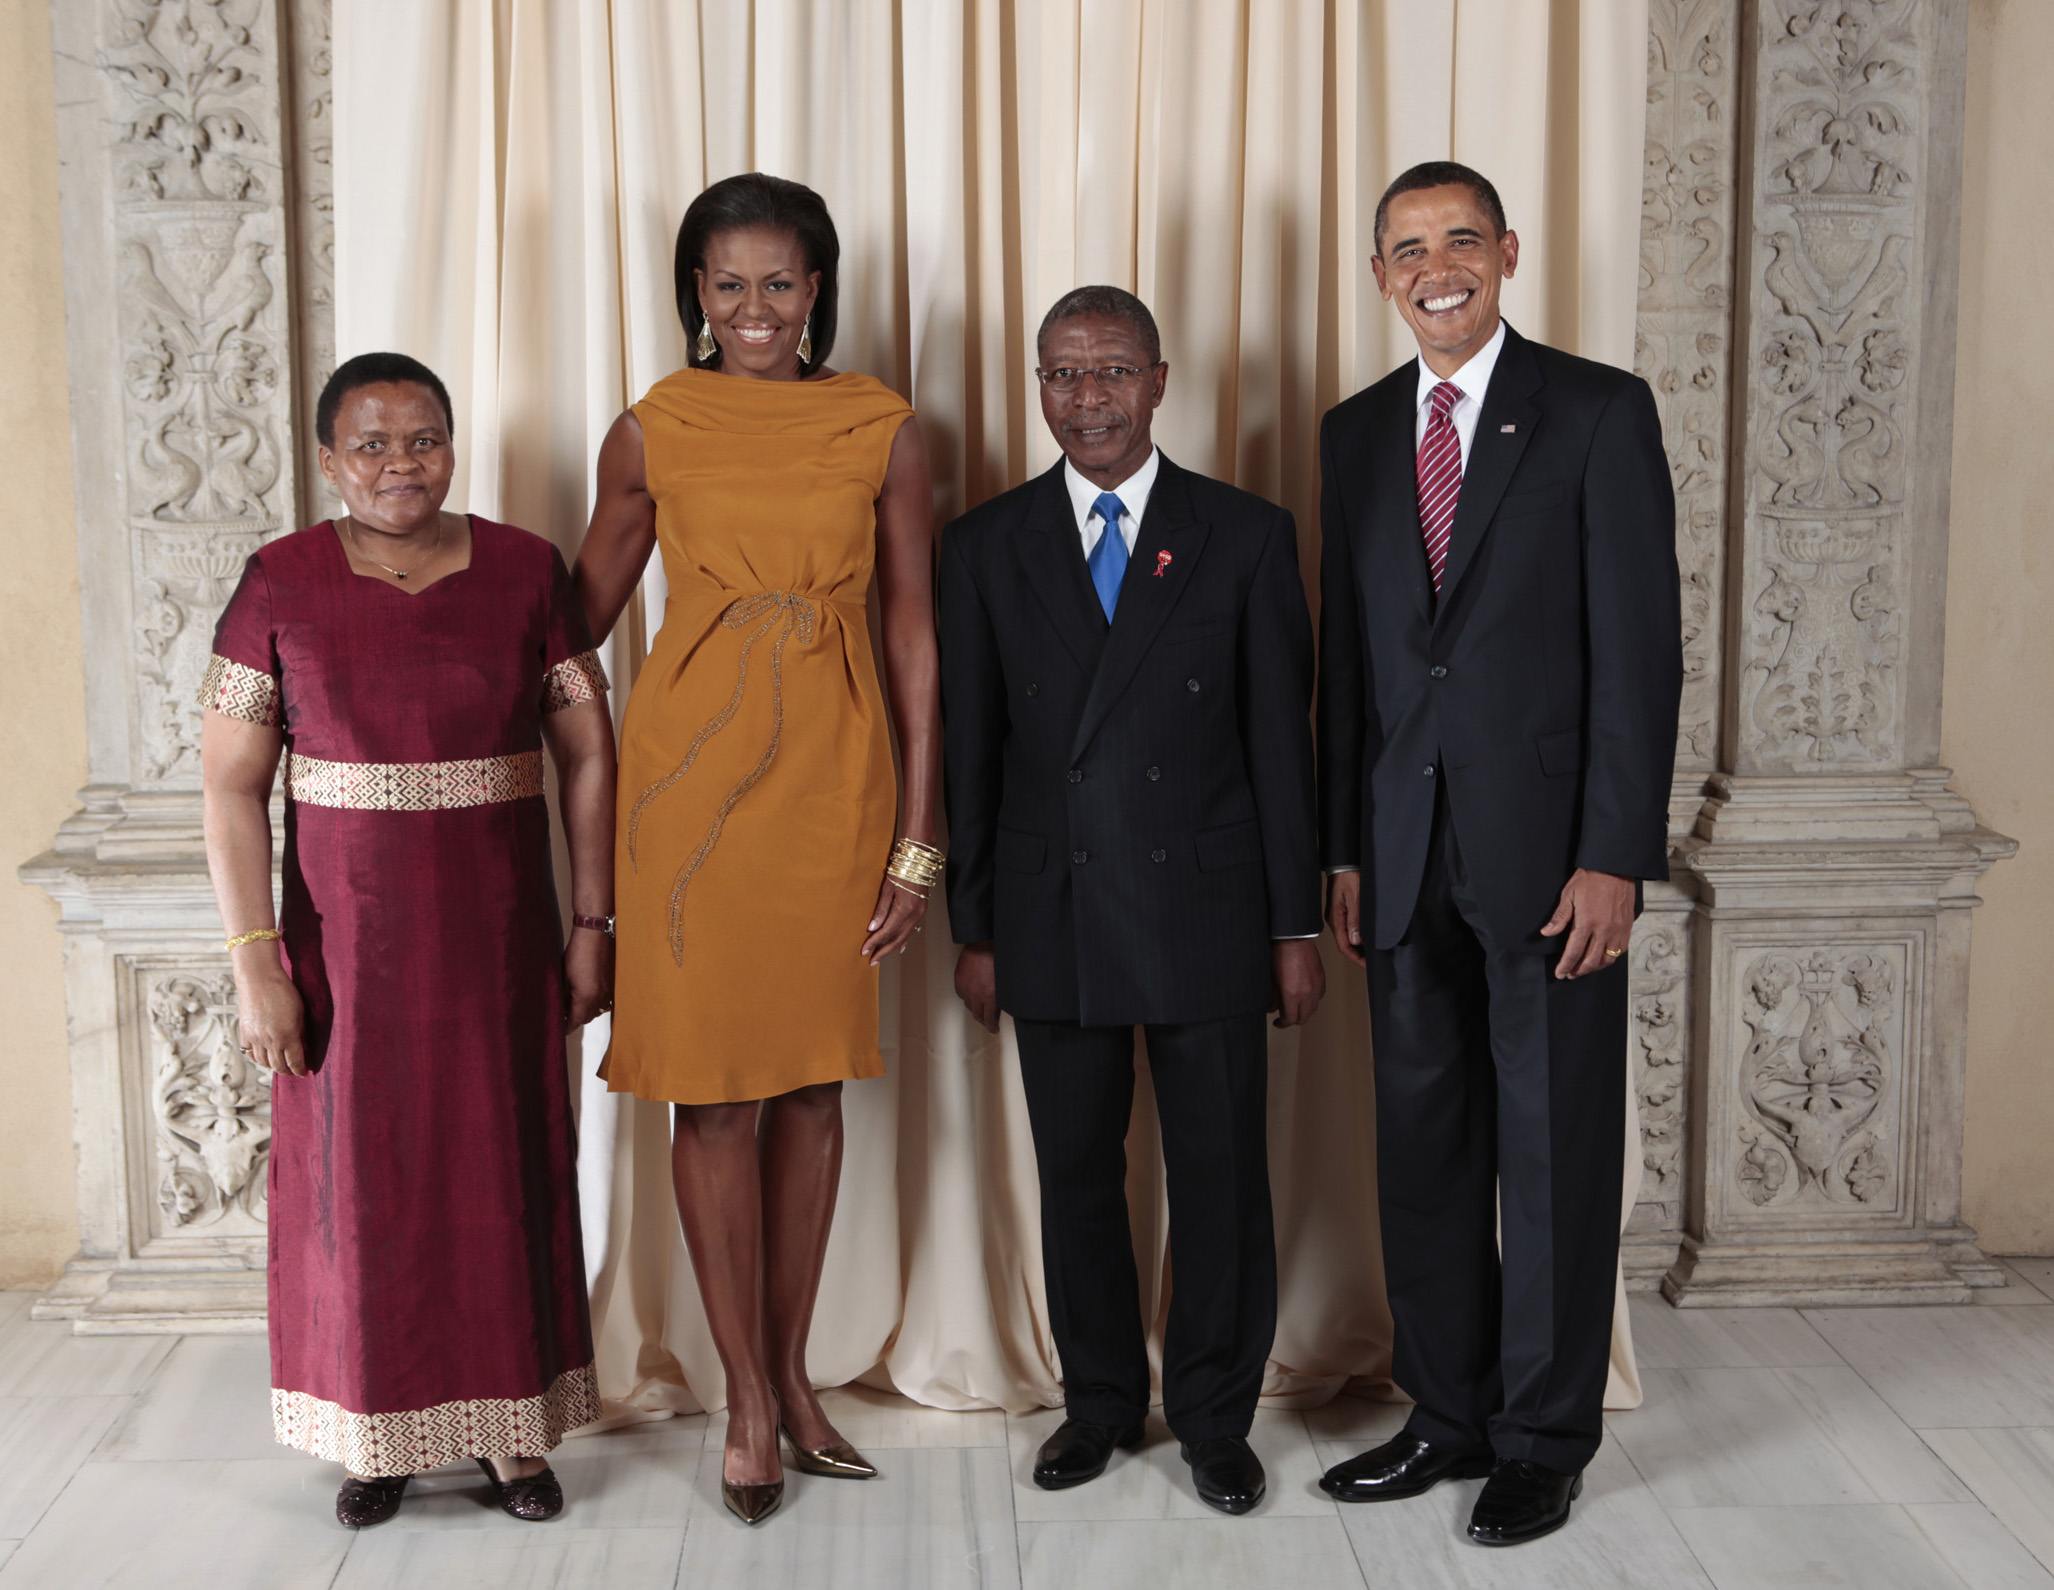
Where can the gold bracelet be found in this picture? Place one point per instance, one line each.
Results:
(252, 937)
(915, 863)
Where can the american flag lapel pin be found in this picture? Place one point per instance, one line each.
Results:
(1162, 561)
(1507, 430)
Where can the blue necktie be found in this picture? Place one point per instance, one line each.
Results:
(1109, 558)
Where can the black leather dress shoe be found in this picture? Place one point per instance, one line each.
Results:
(1079, 1451)
(364, 1502)
(1226, 1472)
(1405, 1465)
(1522, 1501)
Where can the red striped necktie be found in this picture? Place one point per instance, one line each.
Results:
(1440, 478)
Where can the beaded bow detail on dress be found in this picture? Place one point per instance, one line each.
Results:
(789, 615)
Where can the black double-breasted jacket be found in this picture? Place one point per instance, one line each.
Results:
(1131, 805)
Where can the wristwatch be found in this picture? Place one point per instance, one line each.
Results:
(598, 924)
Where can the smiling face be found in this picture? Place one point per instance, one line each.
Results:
(757, 292)
(392, 458)
(1442, 262)
(1103, 430)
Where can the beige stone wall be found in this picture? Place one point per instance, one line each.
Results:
(42, 711)
(1999, 722)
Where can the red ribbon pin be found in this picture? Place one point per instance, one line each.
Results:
(1162, 561)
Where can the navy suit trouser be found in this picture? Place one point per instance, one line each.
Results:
(1211, 1082)
(1500, 1093)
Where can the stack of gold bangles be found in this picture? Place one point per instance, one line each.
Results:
(914, 867)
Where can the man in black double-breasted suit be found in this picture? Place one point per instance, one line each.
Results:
(1126, 686)
(1499, 678)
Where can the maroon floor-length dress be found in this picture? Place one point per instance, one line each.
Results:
(426, 1282)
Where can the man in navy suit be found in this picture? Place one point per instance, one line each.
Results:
(1127, 682)
(1500, 671)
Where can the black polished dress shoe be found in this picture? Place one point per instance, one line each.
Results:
(1522, 1501)
(1405, 1465)
(1226, 1472)
(1079, 1451)
(532, 1498)
(364, 1502)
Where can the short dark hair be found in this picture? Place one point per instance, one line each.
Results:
(374, 369)
(1114, 301)
(1440, 174)
(749, 200)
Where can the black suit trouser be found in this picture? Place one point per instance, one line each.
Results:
(1211, 1097)
(1500, 1092)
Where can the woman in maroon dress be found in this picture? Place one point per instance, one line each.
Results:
(426, 1283)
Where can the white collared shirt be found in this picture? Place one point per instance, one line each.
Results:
(1474, 378)
(1132, 492)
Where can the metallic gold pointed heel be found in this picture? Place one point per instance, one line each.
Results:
(839, 1461)
(752, 1503)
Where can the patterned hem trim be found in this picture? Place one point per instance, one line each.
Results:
(426, 1438)
(236, 691)
(414, 786)
(575, 679)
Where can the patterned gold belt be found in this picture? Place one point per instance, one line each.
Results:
(789, 615)
(413, 786)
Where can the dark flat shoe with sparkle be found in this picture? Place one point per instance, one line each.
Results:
(362, 1503)
(532, 1498)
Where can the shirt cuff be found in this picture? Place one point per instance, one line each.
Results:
(1343, 866)
(1292, 938)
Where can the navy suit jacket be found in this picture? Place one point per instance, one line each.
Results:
(1543, 685)
(1131, 807)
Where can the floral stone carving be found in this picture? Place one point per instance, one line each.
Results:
(210, 1105)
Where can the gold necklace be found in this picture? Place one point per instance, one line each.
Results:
(349, 528)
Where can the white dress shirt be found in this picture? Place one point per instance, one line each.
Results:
(1474, 378)
(1132, 492)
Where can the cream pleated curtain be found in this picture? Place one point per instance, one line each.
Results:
(509, 179)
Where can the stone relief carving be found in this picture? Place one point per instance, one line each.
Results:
(1820, 1076)
(1833, 366)
(1683, 329)
(313, 114)
(1660, 992)
(206, 382)
(210, 1107)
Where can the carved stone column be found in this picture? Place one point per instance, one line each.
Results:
(1831, 869)
(193, 140)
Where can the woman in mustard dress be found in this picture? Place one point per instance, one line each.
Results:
(758, 886)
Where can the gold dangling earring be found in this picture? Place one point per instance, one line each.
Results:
(806, 342)
(704, 346)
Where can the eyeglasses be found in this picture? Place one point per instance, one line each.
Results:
(1111, 377)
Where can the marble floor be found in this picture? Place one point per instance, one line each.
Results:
(1879, 1448)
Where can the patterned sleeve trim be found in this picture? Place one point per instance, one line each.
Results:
(238, 692)
(575, 679)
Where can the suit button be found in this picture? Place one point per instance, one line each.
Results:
(1154, 774)
(1034, 690)
(1076, 775)
(1429, 771)
(1438, 673)
(1191, 685)
(1080, 856)
(1158, 855)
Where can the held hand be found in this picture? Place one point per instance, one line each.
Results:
(272, 1015)
(1596, 910)
(894, 922)
(1344, 914)
(977, 983)
(588, 976)
(1299, 981)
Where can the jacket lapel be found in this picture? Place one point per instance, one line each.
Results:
(1394, 473)
(1148, 594)
(1053, 557)
(1494, 453)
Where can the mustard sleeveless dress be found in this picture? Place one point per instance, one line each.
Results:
(758, 798)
